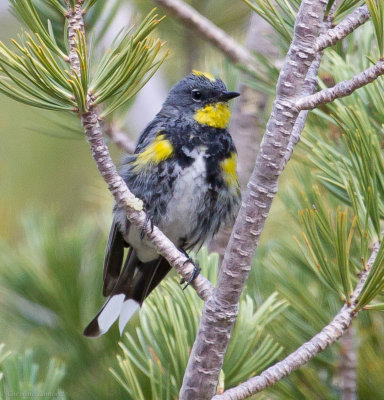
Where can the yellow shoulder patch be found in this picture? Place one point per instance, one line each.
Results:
(214, 115)
(207, 75)
(159, 150)
(228, 166)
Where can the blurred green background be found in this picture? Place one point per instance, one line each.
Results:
(54, 219)
(38, 170)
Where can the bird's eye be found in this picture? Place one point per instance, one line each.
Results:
(196, 95)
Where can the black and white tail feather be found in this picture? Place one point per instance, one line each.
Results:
(126, 288)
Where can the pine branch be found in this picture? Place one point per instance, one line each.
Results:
(119, 137)
(207, 30)
(342, 89)
(327, 39)
(328, 335)
(123, 196)
(75, 24)
(310, 86)
(357, 18)
(348, 361)
(219, 312)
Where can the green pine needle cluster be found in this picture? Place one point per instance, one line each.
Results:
(328, 241)
(376, 10)
(351, 167)
(127, 67)
(36, 71)
(48, 292)
(20, 377)
(154, 357)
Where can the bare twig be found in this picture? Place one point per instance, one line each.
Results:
(341, 89)
(344, 28)
(120, 138)
(123, 196)
(209, 31)
(76, 23)
(348, 361)
(307, 351)
(219, 312)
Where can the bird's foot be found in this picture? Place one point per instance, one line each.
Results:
(195, 273)
(144, 227)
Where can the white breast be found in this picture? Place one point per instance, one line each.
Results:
(180, 218)
(188, 195)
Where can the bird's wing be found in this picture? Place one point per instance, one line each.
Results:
(113, 259)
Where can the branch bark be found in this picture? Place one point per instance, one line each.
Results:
(75, 23)
(348, 362)
(118, 188)
(326, 39)
(342, 89)
(209, 31)
(328, 335)
(310, 85)
(344, 28)
(219, 312)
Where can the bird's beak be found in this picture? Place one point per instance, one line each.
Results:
(225, 96)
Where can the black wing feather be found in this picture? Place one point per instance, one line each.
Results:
(113, 260)
(137, 280)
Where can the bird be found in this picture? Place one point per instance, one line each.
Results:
(184, 171)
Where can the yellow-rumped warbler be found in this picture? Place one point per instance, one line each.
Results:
(184, 169)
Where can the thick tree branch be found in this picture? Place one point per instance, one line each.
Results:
(348, 361)
(310, 85)
(341, 89)
(357, 18)
(307, 351)
(123, 197)
(219, 312)
(209, 31)
(329, 38)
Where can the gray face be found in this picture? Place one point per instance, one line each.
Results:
(196, 91)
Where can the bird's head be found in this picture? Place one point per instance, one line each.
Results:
(202, 97)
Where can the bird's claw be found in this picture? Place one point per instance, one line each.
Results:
(195, 273)
(144, 227)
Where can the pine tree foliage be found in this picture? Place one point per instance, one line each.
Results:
(36, 70)
(154, 357)
(352, 167)
(335, 213)
(48, 282)
(20, 377)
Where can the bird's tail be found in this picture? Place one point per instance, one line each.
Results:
(135, 283)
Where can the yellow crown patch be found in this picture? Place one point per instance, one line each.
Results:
(207, 75)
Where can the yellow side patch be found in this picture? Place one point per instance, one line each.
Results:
(228, 167)
(214, 115)
(159, 150)
(207, 75)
